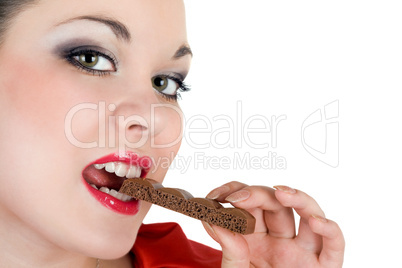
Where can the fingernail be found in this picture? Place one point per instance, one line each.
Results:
(321, 219)
(238, 196)
(211, 231)
(285, 189)
(216, 193)
(209, 227)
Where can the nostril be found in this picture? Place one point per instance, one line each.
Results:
(137, 127)
(133, 122)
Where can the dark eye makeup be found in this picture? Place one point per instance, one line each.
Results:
(93, 60)
(169, 86)
(97, 61)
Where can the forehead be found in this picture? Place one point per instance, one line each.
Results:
(156, 21)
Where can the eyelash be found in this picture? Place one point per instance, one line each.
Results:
(182, 86)
(80, 51)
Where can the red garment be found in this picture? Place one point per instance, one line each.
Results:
(165, 245)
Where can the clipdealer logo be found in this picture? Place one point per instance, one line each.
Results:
(230, 132)
(320, 134)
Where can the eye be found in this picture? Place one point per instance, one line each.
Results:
(88, 60)
(94, 61)
(165, 85)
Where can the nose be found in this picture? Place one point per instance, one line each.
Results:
(143, 119)
(132, 120)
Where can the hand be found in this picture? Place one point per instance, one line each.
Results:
(319, 242)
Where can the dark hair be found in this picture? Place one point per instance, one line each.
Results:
(8, 10)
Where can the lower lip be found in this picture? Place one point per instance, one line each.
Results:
(127, 208)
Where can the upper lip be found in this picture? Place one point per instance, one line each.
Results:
(127, 157)
(93, 175)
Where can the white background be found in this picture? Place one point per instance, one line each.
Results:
(291, 58)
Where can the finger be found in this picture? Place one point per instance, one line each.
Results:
(270, 214)
(235, 252)
(305, 206)
(333, 241)
(223, 191)
(210, 231)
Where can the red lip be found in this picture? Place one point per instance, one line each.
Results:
(127, 208)
(122, 207)
(128, 158)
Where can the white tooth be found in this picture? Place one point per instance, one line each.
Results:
(113, 192)
(132, 172)
(110, 167)
(126, 197)
(138, 172)
(121, 170)
(104, 189)
(119, 196)
(94, 186)
(99, 166)
(116, 194)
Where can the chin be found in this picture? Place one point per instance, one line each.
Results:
(115, 249)
(105, 246)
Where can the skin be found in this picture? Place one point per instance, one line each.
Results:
(318, 243)
(38, 89)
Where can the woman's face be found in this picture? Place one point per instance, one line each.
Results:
(84, 83)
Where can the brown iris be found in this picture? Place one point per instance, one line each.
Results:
(88, 59)
(160, 83)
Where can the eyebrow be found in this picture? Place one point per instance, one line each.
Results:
(122, 32)
(182, 51)
(118, 28)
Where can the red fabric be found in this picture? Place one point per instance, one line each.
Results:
(165, 245)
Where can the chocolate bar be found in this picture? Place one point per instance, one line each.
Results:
(208, 210)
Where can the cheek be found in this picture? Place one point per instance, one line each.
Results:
(29, 131)
(167, 126)
(35, 100)
(27, 92)
(166, 143)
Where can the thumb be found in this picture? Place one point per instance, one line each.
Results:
(235, 252)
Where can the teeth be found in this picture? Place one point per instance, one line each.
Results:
(138, 172)
(110, 167)
(99, 166)
(133, 172)
(114, 193)
(121, 170)
(126, 198)
(104, 189)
